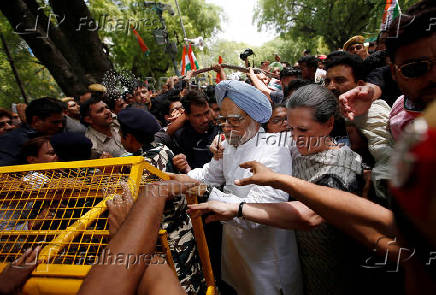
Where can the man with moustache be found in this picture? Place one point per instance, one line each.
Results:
(103, 130)
(345, 71)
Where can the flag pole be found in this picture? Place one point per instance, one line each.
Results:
(181, 22)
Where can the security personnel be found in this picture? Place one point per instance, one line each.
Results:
(137, 129)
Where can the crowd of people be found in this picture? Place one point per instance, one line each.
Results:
(311, 169)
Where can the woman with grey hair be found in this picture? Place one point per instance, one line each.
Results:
(326, 254)
(330, 261)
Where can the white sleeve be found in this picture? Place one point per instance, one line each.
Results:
(211, 173)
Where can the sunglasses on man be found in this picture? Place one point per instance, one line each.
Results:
(3, 123)
(417, 68)
(356, 47)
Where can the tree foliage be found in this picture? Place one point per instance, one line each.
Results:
(70, 50)
(199, 18)
(333, 20)
(37, 80)
(104, 41)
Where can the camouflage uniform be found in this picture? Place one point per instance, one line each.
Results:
(178, 224)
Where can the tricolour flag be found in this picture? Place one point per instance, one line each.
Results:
(392, 10)
(189, 62)
(218, 75)
(141, 43)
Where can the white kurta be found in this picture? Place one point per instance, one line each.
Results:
(256, 259)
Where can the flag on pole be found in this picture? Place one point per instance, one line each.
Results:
(189, 62)
(392, 10)
(141, 43)
(218, 75)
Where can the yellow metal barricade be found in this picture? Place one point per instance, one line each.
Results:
(62, 207)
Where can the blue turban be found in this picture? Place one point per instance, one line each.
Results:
(246, 97)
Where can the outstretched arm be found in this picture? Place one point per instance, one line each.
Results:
(259, 84)
(359, 217)
(137, 236)
(287, 215)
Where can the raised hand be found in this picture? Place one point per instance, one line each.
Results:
(356, 102)
(181, 163)
(217, 147)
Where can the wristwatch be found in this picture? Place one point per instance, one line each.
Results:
(240, 210)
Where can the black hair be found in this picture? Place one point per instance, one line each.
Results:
(375, 60)
(310, 61)
(5, 113)
(278, 105)
(161, 105)
(111, 99)
(85, 108)
(43, 108)
(210, 94)
(290, 71)
(353, 61)
(193, 97)
(181, 84)
(32, 146)
(306, 51)
(418, 22)
(140, 84)
(71, 146)
(294, 85)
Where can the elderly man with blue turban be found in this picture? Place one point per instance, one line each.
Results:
(256, 259)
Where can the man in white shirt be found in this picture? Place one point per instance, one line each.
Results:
(256, 259)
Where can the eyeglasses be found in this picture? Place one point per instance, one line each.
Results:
(356, 47)
(176, 109)
(278, 120)
(233, 120)
(417, 68)
(3, 123)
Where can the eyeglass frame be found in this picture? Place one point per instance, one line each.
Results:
(351, 48)
(240, 117)
(280, 120)
(3, 123)
(176, 109)
(428, 61)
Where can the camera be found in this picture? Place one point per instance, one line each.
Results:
(247, 52)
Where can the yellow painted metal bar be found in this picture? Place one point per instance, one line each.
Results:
(58, 270)
(62, 271)
(70, 233)
(211, 290)
(135, 179)
(200, 239)
(65, 278)
(37, 286)
(163, 235)
(49, 232)
(162, 175)
(73, 165)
